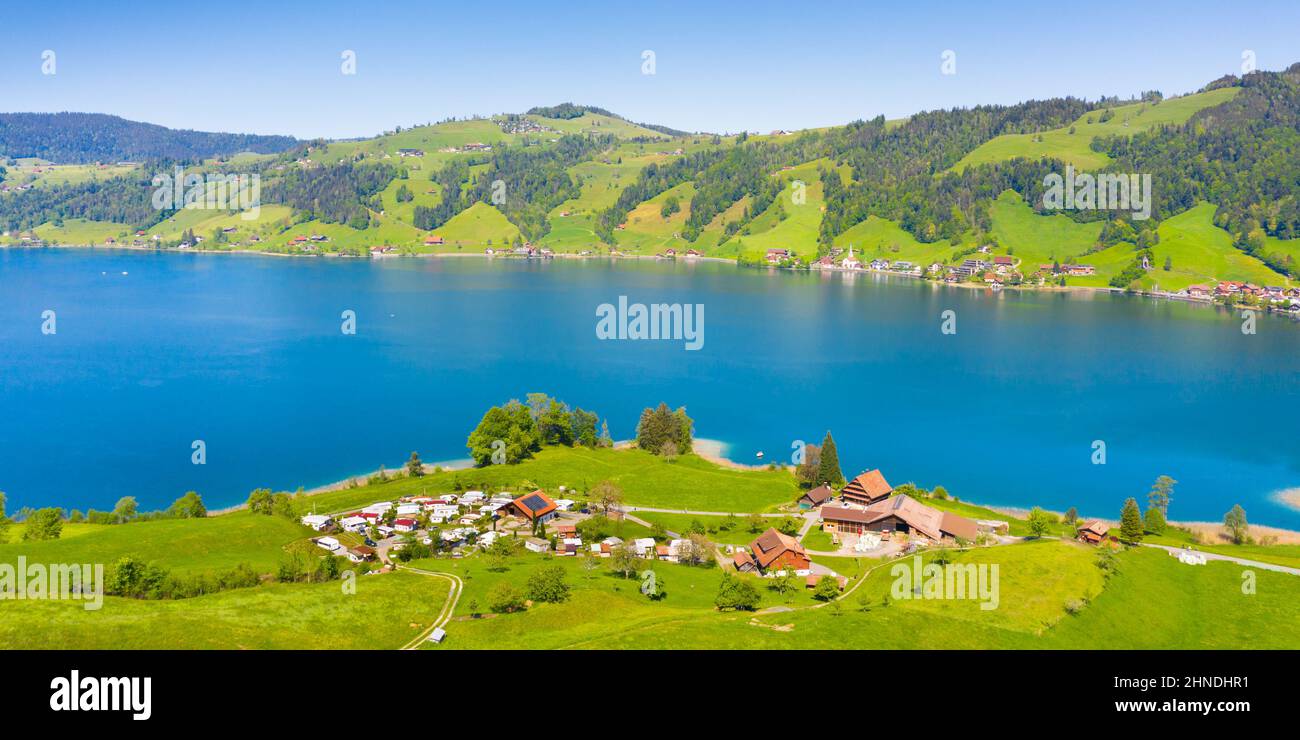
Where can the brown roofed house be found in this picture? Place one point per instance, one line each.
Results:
(816, 497)
(774, 550)
(903, 514)
(1093, 532)
(535, 506)
(743, 562)
(866, 489)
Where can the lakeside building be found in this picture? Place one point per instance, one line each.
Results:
(902, 514)
(866, 489)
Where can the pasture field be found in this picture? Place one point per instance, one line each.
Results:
(386, 611)
(1073, 144)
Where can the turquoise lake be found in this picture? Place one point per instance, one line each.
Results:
(154, 351)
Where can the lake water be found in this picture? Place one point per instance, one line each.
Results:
(154, 351)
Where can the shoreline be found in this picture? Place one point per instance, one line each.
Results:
(1046, 289)
(715, 451)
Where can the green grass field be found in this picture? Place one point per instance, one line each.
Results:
(379, 615)
(1051, 594)
(689, 482)
(1076, 147)
(719, 529)
(180, 545)
(1203, 253)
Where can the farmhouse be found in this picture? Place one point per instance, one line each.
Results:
(410, 152)
(434, 240)
(775, 255)
(902, 514)
(866, 489)
(816, 497)
(1093, 532)
(774, 551)
(535, 507)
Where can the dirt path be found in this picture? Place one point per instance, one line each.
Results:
(448, 607)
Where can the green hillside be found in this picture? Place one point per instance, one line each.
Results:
(1072, 144)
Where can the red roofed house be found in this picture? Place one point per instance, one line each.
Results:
(405, 525)
(535, 507)
(774, 551)
(902, 514)
(866, 489)
(431, 240)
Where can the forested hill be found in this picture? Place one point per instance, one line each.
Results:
(81, 138)
(934, 189)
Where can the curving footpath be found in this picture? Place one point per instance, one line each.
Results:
(448, 608)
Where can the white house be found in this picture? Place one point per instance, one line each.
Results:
(329, 543)
(317, 521)
(564, 504)
(355, 523)
(405, 525)
(536, 544)
(644, 547)
(408, 510)
(472, 497)
(437, 635)
(379, 508)
(488, 538)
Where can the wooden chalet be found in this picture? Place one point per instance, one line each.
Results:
(866, 489)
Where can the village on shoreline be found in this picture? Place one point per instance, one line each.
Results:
(996, 274)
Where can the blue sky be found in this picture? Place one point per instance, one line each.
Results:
(275, 68)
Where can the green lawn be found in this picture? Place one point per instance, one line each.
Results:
(819, 539)
(180, 545)
(379, 615)
(689, 482)
(719, 529)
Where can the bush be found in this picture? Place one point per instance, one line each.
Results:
(504, 598)
(548, 585)
(736, 593)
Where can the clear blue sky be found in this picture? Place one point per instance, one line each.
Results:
(266, 68)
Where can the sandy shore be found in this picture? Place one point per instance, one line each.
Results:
(715, 451)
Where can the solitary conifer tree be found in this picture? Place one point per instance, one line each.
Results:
(1130, 522)
(829, 470)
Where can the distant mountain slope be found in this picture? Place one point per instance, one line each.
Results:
(80, 138)
(565, 111)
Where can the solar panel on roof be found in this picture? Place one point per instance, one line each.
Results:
(535, 502)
